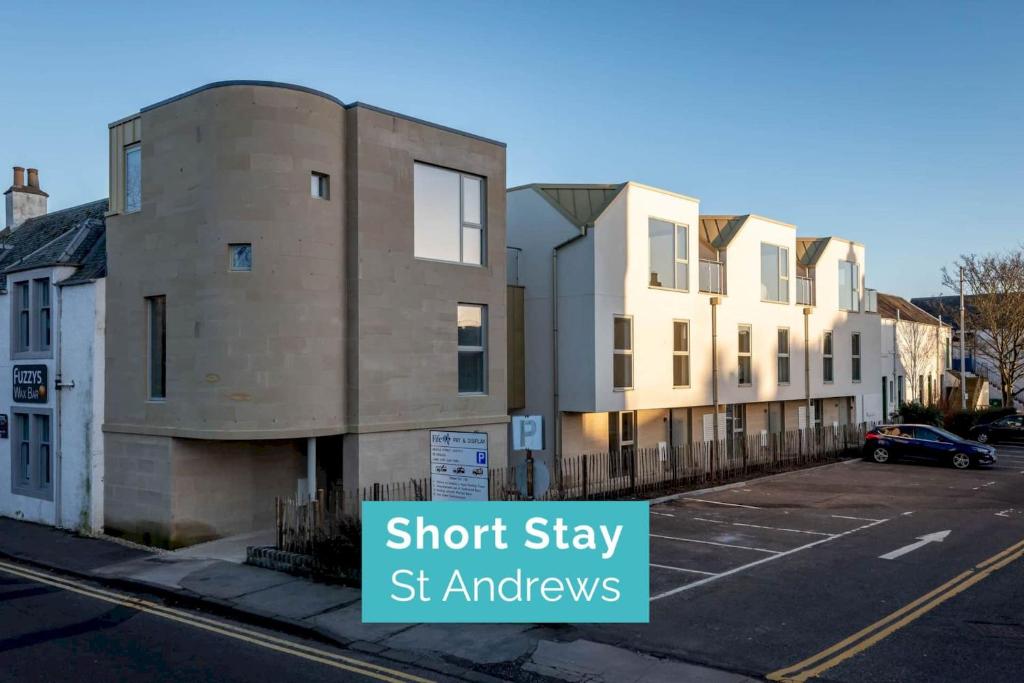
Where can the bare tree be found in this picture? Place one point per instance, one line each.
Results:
(916, 346)
(995, 312)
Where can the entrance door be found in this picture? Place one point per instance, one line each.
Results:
(621, 442)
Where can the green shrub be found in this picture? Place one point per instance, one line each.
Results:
(918, 413)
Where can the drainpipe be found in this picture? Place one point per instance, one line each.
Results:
(807, 364)
(895, 354)
(58, 385)
(311, 466)
(714, 377)
(556, 418)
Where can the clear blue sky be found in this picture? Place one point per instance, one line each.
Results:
(898, 125)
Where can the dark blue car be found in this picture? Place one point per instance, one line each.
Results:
(924, 442)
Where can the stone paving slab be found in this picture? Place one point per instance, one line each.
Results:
(226, 580)
(480, 643)
(298, 599)
(347, 624)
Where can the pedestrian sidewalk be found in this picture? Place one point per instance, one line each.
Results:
(478, 652)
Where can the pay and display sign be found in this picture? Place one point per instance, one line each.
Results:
(560, 562)
(458, 466)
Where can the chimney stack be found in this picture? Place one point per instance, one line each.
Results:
(24, 201)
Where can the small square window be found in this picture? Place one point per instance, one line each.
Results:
(320, 185)
(240, 257)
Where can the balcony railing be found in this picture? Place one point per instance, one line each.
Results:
(805, 291)
(712, 276)
(870, 301)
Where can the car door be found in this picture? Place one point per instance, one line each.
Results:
(898, 439)
(931, 445)
(1010, 428)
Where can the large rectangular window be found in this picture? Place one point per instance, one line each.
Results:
(827, 366)
(855, 354)
(32, 461)
(448, 220)
(669, 256)
(156, 314)
(680, 353)
(132, 179)
(744, 359)
(774, 273)
(472, 339)
(849, 286)
(32, 327)
(622, 361)
(783, 356)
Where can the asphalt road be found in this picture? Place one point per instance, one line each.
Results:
(53, 629)
(786, 577)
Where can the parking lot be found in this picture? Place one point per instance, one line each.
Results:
(758, 577)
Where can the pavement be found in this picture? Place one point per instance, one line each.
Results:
(787, 576)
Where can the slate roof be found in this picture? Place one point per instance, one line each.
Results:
(718, 231)
(75, 236)
(946, 306)
(580, 204)
(889, 304)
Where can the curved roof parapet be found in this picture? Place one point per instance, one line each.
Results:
(318, 93)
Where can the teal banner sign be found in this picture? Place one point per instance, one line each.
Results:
(461, 562)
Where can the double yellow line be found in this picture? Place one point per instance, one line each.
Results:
(327, 658)
(869, 636)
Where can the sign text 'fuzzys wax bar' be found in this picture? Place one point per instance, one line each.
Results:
(505, 562)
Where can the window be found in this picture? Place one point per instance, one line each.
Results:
(783, 356)
(320, 185)
(849, 286)
(669, 257)
(622, 363)
(32, 331)
(448, 215)
(156, 312)
(826, 357)
(774, 273)
(472, 348)
(901, 386)
(240, 257)
(855, 353)
(132, 179)
(621, 442)
(32, 467)
(680, 353)
(920, 388)
(744, 361)
(472, 342)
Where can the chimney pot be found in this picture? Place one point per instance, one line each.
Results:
(19, 177)
(33, 178)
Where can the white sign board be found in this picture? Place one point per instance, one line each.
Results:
(527, 432)
(458, 465)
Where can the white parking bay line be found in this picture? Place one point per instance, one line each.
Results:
(661, 514)
(759, 526)
(723, 545)
(749, 565)
(718, 502)
(682, 569)
(860, 519)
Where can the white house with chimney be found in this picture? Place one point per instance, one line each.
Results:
(655, 305)
(52, 275)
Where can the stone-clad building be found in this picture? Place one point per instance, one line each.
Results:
(296, 285)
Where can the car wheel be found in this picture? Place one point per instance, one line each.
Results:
(961, 461)
(880, 455)
(983, 437)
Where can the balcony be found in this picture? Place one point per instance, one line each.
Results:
(870, 300)
(712, 276)
(805, 291)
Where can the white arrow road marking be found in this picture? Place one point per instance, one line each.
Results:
(1004, 513)
(936, 537)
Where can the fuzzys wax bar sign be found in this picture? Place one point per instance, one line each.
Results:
(463, 562)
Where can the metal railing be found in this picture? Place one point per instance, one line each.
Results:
(805, 291)
(712, 276)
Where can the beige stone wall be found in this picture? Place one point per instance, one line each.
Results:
(757, 418)
(253, 354)
(137, 488)
(652, 428)
(584, 433)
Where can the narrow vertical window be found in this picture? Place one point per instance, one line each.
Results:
(42, 436)
(855, 353)
(472, 344)
(774, 273)
(680, 353)
(849, 286)
(23, 303)
(744, 359)
(42, 294)
(157, 315)
(24, 437)
(668, 254)
(320, 185)
(622, 365)
(132, 179)
(826, 357)
(783, 356)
